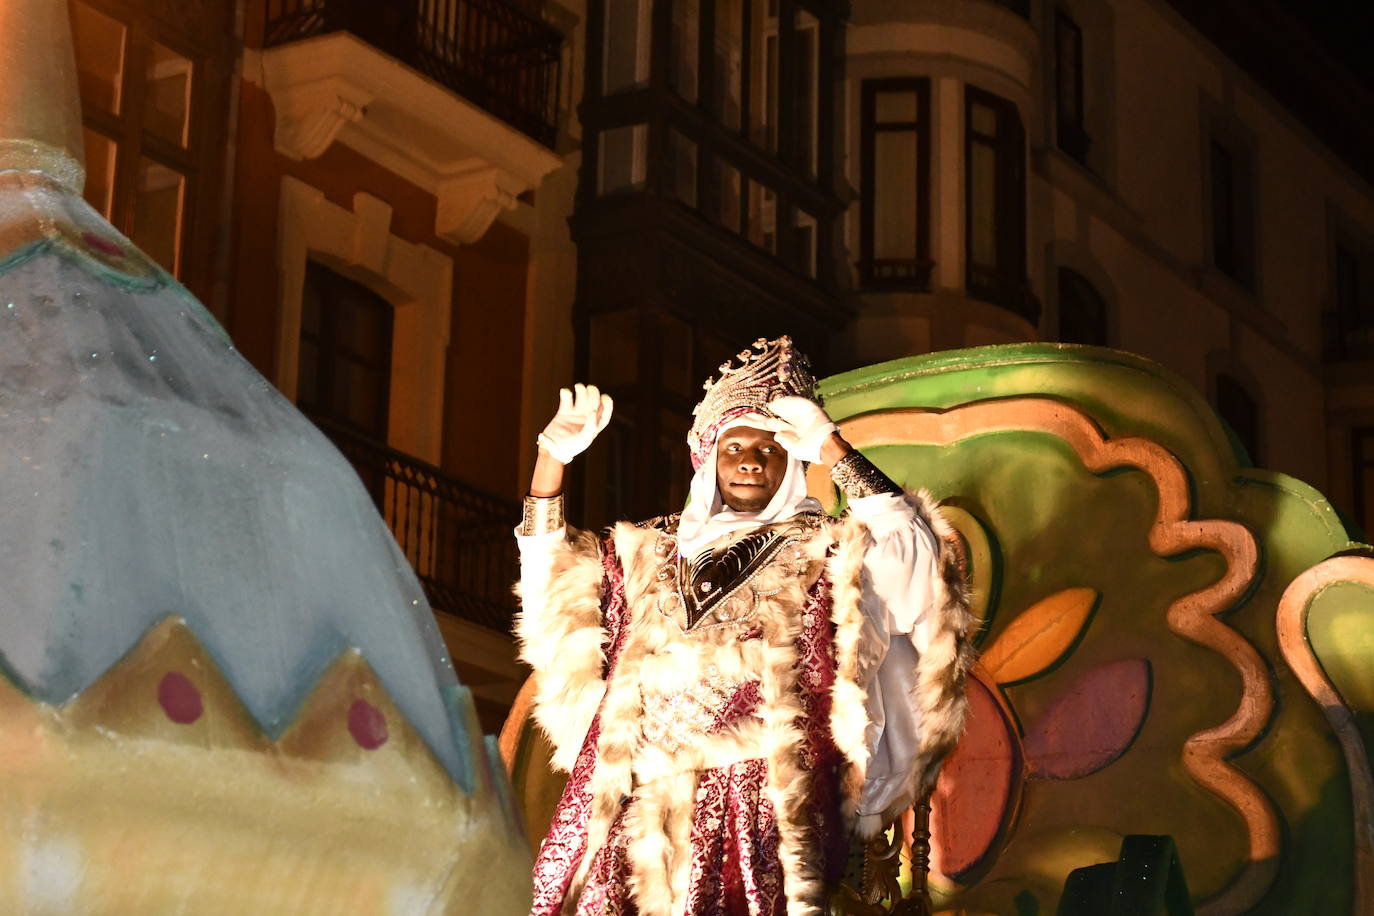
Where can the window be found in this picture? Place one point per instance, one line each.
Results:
(763, 72)
(146, 99)
(995, 201)
(727, 80)
(757, 77)
(681, 168)
(685, 51)
(345, 355)
(1349, 317)
(625, 51)
(1241, 413)
(621, 158)
(729, 203)
(894, 233)
(806, 76)
(762, 225)
(1232, 211)
(1362, 450)
(1082, 312)
(804, 236)
(1070, 113)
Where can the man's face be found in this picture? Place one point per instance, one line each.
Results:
(750, 466)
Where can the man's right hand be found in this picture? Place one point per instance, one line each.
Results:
(583, 412)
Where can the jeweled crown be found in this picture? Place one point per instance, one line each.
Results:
(768, 369)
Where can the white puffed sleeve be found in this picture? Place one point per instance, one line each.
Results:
(537, 552)
(906, 599)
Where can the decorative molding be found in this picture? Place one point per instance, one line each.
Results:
(337, 87)
(416, 279)
(306, 127)
(470, 201)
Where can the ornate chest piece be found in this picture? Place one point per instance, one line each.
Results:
(715, 588)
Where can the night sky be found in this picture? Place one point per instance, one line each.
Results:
(1344, 26)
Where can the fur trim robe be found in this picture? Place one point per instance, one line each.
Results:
(715, 763)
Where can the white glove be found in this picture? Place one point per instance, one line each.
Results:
(582, 414)
(802, 426)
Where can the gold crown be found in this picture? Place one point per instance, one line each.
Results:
(766, 370)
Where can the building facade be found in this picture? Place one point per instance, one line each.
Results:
(420, 218)
(1186, 181)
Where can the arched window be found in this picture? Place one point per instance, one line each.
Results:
(345, 355)
(1241, 413)
(1082, 312)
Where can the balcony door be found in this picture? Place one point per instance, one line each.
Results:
(345, 355)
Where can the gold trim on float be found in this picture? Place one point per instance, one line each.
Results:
(154, 791)
(1291, 623)
(1192, 616)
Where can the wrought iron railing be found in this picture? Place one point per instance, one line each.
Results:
(457, 538)
(492, 52)
(896, 273)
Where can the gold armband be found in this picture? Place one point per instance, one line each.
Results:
(858, 477)
(541, 514)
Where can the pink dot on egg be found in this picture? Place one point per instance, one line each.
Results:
(367, 725)
(104, 246)
(180, 698)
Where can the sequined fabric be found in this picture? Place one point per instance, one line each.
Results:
(715, 590)
(679, 717)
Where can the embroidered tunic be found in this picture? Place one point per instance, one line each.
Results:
(725, 717)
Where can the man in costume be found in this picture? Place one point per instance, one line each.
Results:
(736, 689)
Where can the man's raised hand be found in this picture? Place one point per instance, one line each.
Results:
(583, 412)
(802, 426)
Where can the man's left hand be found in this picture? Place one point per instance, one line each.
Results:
(802, 427)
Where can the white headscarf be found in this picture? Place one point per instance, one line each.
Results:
(707, 518)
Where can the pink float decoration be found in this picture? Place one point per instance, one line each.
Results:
(180, 699)
(1091, 723)
(978, 783)
(367, 725)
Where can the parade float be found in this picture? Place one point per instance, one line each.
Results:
(1173, 644)
(221, 687)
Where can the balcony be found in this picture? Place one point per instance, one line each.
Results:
(499, 56)
(458, 97)
(902, 274)
(457, 538)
